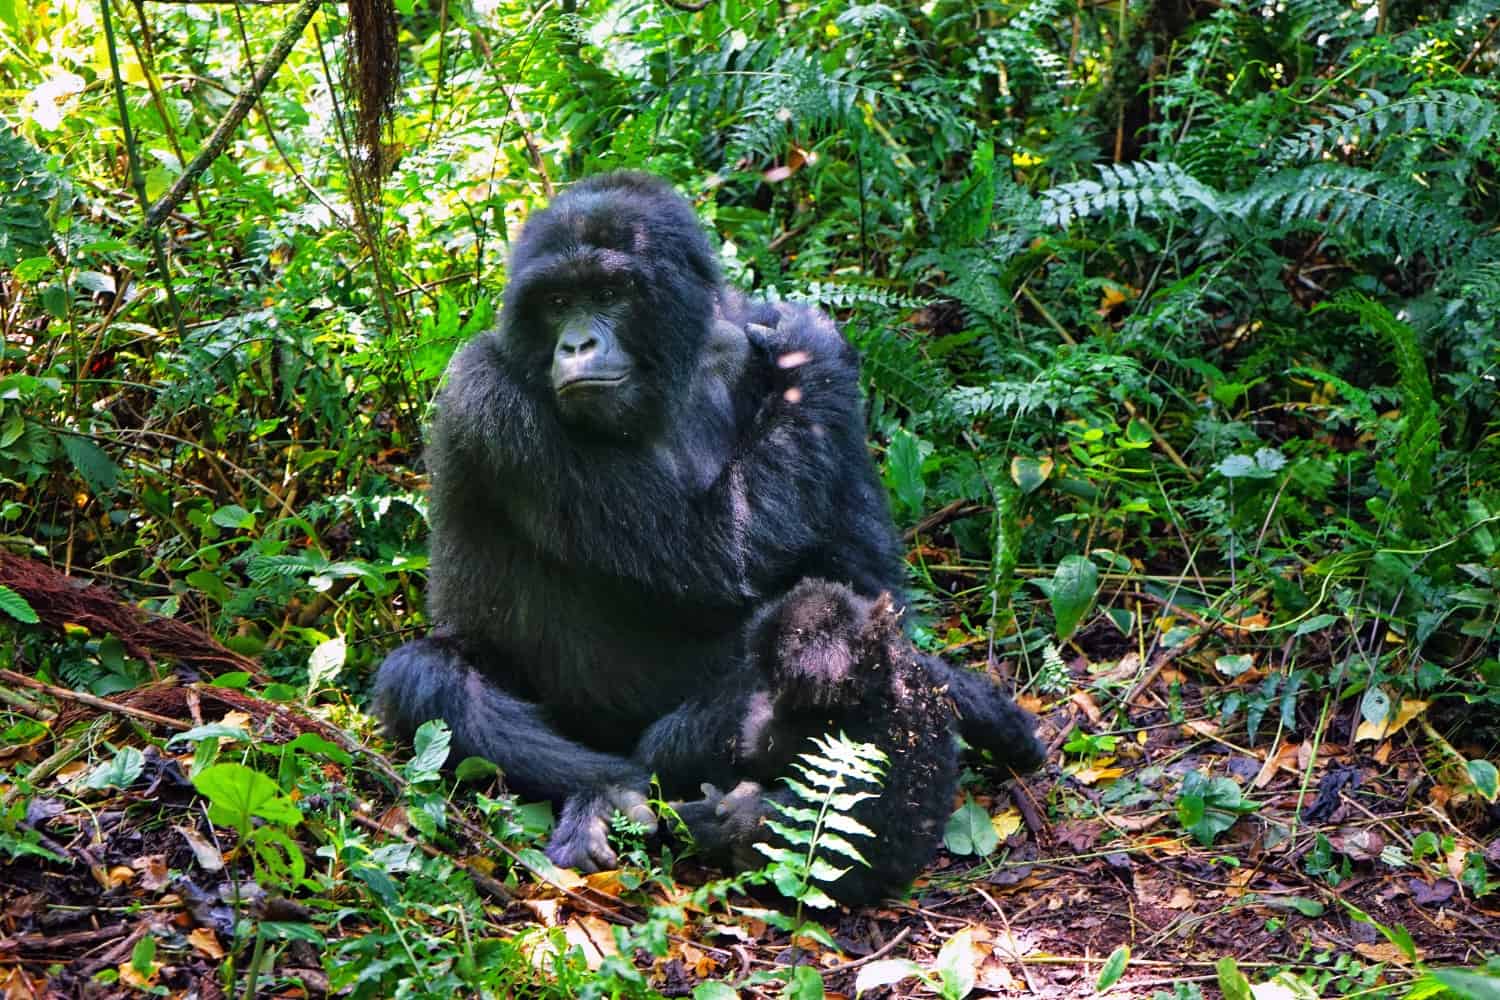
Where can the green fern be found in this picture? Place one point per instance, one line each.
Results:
(1411, 483)
(1145, 187)
(1074, 381)
(29, 193)
(1370, 205)
(1432, 115)
(833, 781)
(895, 367)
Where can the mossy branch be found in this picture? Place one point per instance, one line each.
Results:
(234, 116)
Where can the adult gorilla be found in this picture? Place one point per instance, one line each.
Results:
(640, 483)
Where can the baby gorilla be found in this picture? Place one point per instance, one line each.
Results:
(836, 662)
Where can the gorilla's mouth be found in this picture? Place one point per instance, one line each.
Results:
(591, 382)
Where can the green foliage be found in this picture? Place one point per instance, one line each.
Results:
(1200, 308)
(821, 828)
(1206, 807)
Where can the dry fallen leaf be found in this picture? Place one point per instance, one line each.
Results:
(592, 936)
(205, 943)
(153, 871)
(236, 720)
(1378, 731)
(545, 910)
(1384, 951)
(696, 960)
(206, 854)
(114, 877)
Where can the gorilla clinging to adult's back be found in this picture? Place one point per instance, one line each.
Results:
(659, 548)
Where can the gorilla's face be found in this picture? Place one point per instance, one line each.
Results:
(609, 304)
(589, 324)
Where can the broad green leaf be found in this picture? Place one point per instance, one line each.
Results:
(237, 794)
(715, 991)
(903, 462)
(97, 468)
(970, 831)
(1206, 807)
(1375, 706)
(143, 956)
(211, 586)
(326, 661)
(1030, 473)
(1315, 624)
(1232, 982)
(957, 964)
(1114, 968)
(1485, 778)
(805, 984)
(886, 972)
(1234, 664)
(212, 731)
(1074, 586)
(233, 516)
(430, 750)
(119, 771)
(1471, 984)
(17, 606)
(313, 743)
(476, 769)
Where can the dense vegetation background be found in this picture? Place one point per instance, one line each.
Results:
(1179, 325)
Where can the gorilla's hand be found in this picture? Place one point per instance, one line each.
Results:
(725, 826)
(581, 838)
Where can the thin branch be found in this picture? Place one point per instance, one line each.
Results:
(93, 701)
(217, 142)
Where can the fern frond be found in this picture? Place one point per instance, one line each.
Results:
(1144, 187)
(1374, 205)
(844, 294)
(1432, 115)
(894, 366)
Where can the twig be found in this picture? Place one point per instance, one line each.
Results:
(217, 142)
(1014, 955)
(57, 942)
(93, 701)
(880, 952)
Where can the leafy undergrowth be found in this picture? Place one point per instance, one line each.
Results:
(1178, 335)
(198, 838)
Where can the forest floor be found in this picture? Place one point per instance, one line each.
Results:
(1338, 863)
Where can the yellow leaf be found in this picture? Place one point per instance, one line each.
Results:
(1006, 823)
(1095, 774)
(236, 720)
(592, 936)
(1371, 731)
(130, 977)
(205, 942)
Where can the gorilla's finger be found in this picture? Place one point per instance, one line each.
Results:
(634, 806)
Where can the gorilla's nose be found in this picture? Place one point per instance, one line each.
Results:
(576, 344)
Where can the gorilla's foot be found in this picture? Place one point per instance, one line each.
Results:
(581, 838)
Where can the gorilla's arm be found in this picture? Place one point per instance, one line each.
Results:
(434, 678)
(987, 719)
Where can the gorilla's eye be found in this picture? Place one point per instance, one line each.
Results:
(606, 295)
(557, 301)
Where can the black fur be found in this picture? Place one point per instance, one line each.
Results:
(615, 577)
